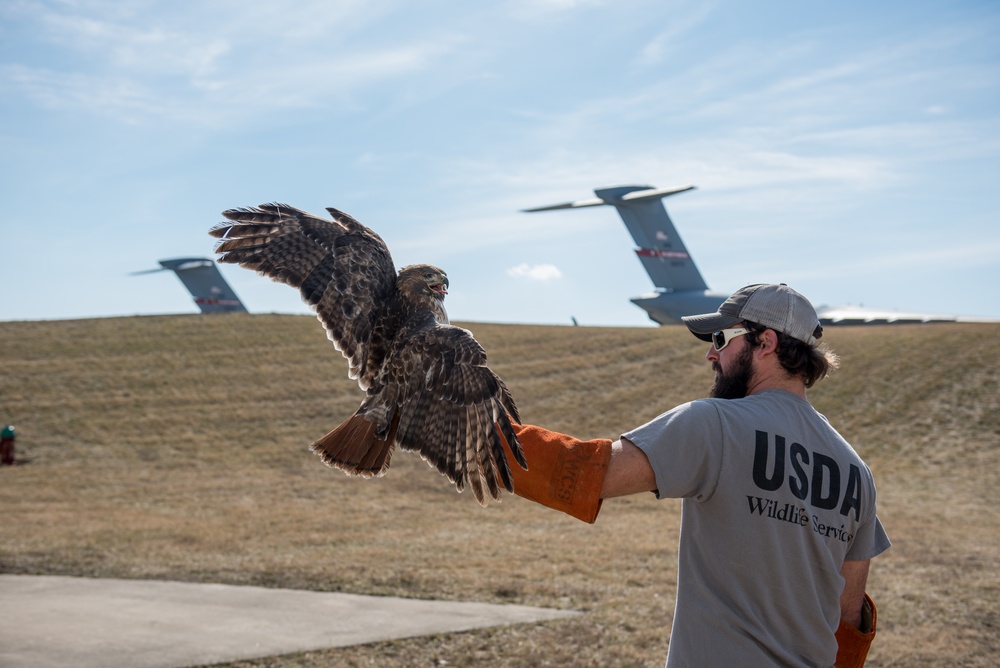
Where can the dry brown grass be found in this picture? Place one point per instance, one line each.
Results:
(176, 448)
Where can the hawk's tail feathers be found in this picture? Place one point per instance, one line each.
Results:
(353, 448)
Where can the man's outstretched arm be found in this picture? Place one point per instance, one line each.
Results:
(628, 472)
(575, 476)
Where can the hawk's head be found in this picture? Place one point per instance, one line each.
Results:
(423, 282)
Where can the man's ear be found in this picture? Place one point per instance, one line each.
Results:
(767, 341)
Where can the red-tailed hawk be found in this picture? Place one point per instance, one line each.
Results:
(428, 387)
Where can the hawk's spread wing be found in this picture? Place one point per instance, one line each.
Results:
(341, 268)
(428, 387)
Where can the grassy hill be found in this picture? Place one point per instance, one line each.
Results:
(176, 448)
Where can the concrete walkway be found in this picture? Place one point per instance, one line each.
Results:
(64, 622)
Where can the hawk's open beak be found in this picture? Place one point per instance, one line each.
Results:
(442, 287)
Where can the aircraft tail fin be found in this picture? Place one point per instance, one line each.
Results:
(205, 282)
(660, 248)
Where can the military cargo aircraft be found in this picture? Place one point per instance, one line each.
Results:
(680, 288)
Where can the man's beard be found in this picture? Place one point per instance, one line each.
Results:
(735, 383)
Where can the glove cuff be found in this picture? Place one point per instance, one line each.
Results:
(564, 473)
(853, 643)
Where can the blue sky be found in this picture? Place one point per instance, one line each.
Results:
(849, 149)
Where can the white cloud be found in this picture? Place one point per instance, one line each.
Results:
(538, 272)
(210, 67)
(668, 40)
(535, 8)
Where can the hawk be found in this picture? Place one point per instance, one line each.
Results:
(427, 387)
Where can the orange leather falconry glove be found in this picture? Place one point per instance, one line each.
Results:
(852, 643)
(564, 473)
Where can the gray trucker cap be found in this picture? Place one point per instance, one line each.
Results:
(775, 306)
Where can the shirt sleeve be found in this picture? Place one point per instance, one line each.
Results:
(684, 448)
(869, 542)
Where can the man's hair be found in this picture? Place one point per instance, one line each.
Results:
(798, 358)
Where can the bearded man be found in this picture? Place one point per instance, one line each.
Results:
(778, 521)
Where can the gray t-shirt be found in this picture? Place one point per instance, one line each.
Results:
(774, 502)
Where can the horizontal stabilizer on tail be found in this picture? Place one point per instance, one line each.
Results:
(579, 204)
(632, 194)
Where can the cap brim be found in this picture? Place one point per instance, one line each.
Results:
(703, 326)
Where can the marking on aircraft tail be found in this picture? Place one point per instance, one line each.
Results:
(210, 301)
(670, 255)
